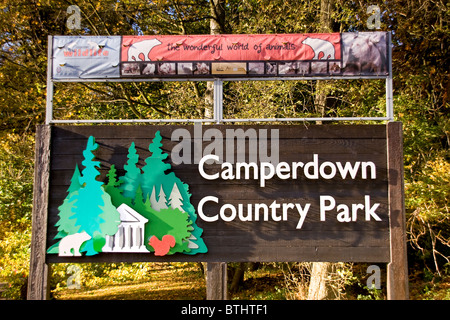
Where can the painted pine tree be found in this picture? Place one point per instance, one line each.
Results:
(154, 175)
(175, 199)
(66, 224)
(176, 202)
(131, 180)
(155, 166)
(153, 200)
(93, 211)
(162, 200)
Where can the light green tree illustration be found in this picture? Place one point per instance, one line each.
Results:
(66, 222)
(163, 222)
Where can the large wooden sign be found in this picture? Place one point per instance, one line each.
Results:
(221, 193)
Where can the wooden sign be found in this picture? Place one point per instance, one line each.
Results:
(254, 193)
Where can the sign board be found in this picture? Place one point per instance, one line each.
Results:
(86, 57)
(363, 54)
(218, 193)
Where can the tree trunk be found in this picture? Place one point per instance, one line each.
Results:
(238, 277)
(325, 25)
(217, 22)
(319, 287)
(217, 26)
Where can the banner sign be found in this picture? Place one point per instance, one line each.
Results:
(221, 56)
(79, 57)
(218, 193)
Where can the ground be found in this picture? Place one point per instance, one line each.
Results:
(186, 282)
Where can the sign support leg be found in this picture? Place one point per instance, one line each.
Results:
(397, 269)
(216, 281)
(39, 271)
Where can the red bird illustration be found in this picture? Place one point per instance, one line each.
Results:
(163, 246)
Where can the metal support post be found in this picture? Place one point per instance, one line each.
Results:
(389, 86)
(49, 104)
(218, 100)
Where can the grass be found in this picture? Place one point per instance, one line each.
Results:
(173, 282)
(162, 282)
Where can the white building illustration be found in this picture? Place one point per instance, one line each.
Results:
(130, 235)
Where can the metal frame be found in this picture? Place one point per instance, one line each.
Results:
(218, 96)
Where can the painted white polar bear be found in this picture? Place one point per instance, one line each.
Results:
(318, 46)
(139, 51)
(72, 241)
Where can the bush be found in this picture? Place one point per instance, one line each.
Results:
(428, 218)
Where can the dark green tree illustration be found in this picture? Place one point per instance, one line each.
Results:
(131, 179)
(154, 177)
(91, 207)
(153, 171)
(112, 177)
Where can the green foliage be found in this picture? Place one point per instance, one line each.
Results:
(14, 261)
(16, 181)
(429, 217)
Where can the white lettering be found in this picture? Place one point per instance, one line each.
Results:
(274, 206)
(200, 209)
(202, 171)
(283, 170)
(265, 208)
(325, 175)
(324, 208)
(302, 212)
(315, 166)
(233, 212)
(371, 212)
(263, 175)
(246, 167)
(373, 170)
(348, 168)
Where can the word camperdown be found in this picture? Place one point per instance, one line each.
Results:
(283, 170)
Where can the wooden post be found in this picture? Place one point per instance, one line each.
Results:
(216, 281)
(39, 271)
(397, 270)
